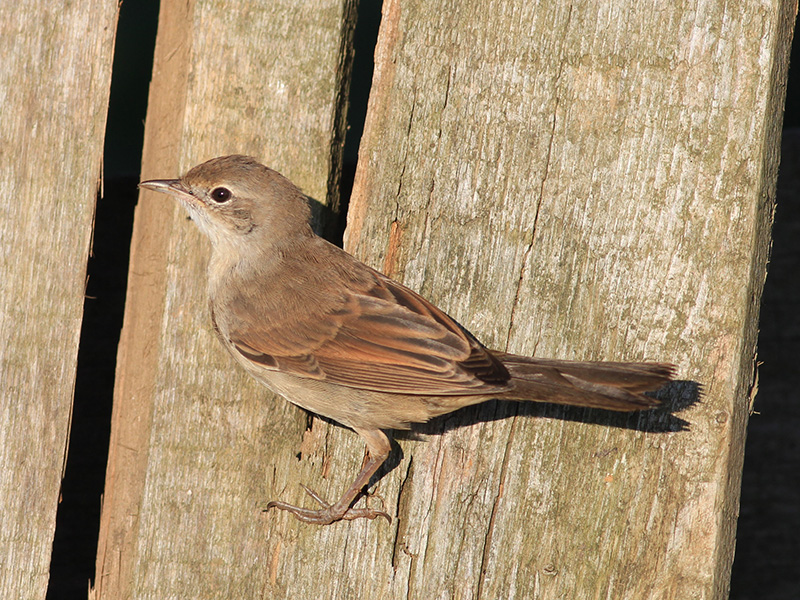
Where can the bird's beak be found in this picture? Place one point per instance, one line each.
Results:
(172, 187)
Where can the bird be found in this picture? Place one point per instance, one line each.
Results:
(340, 339)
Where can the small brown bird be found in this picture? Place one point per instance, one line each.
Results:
(340, 339)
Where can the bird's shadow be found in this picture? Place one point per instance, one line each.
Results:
(675, 397)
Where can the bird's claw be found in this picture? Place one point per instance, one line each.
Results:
(329, 513)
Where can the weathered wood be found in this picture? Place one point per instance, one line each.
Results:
(581, 181)
(587, 181)
(192, 437)
(55, 75)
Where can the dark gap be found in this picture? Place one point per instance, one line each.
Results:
(364, 41)
(78, 520)
(767, 544)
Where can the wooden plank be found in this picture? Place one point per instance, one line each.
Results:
(579, 181)
(192, 438)
(54, 84)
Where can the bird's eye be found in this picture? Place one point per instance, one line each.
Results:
(220, 194)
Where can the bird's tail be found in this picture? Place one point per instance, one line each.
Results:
(608, 385)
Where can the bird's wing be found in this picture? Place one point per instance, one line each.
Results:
(375, 334)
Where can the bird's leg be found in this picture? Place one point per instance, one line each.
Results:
(378, 448)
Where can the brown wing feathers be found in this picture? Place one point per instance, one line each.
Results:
(394, 341)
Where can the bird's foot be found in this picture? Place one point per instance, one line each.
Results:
(329, 513)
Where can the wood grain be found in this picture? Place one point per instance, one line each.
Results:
(54, 85)
(578, 181)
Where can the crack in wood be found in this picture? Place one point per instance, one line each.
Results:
(498, 496)
(400, 529)
(548, 157)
